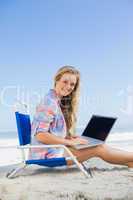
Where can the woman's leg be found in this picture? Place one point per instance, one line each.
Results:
(106, 153)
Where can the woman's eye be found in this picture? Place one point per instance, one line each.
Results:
(72, 84)
(65, 82)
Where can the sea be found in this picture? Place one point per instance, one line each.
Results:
(9, 156)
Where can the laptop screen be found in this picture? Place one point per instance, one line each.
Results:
(99, 127)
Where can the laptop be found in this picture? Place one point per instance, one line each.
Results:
(96, 131)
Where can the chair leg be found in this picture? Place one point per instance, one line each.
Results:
(88, 170)
(81, 167)
(14, 172)
(85, 172)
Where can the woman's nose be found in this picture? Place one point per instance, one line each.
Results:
(69, 86)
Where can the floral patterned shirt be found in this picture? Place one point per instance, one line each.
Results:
(48, 118)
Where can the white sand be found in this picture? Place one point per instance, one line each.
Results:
(39, 183)
(109, 182)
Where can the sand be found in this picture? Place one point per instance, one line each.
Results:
(109, 182)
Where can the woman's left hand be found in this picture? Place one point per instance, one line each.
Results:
(72, 137)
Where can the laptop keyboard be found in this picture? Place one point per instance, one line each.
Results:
(91, 141)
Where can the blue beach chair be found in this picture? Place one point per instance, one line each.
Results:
(24, 135)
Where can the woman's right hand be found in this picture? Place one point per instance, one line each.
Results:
(77, 140)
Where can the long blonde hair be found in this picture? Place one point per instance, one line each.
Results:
(69, 103)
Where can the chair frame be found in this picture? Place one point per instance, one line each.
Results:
(87, 172)
(26, 145)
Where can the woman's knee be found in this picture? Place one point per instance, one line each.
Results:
(100, 150)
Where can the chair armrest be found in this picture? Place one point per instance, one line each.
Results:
(22, 147)
(31, 146)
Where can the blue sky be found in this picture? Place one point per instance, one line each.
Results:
(38, 37)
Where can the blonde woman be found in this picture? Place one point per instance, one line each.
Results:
(55, 119)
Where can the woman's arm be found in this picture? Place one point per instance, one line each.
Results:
(49, 138)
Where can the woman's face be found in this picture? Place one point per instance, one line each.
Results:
(66, 84)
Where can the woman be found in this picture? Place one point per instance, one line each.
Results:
(55, 119)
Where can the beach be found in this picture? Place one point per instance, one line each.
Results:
(65, 63)
(108, 182)
(36, 182)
